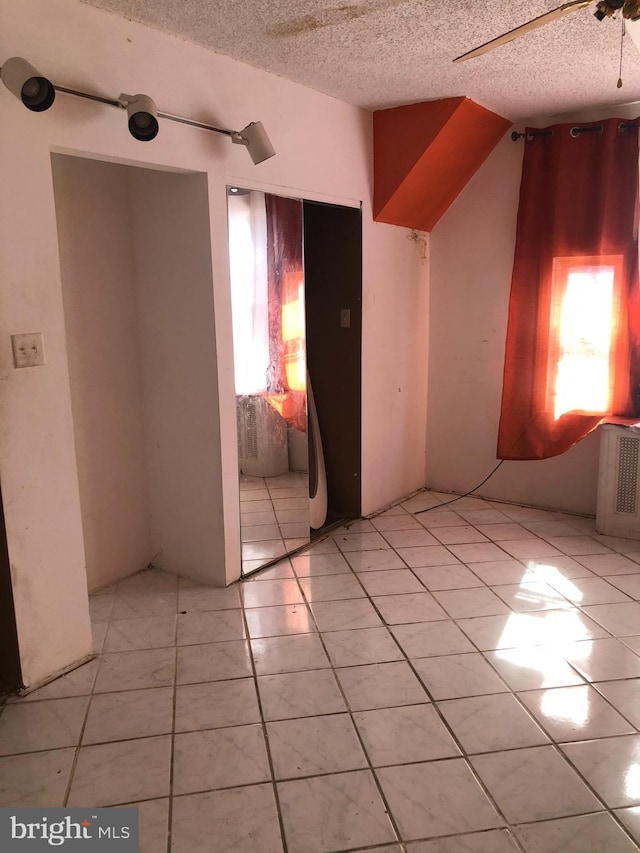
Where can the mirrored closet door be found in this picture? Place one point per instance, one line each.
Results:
(268, 306)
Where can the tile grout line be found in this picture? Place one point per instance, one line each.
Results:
(556, 744)
(455, 620)
(552, 743)
(265, 733)
(394, 825)
(573, 606)
(268, 561)
(571, 665)
(174, 698)
(610, 810)
(513, 692)
(78, 747)
(434, 704)
(369, 597)
(470, 567)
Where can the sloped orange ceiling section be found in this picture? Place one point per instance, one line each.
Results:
(425, 154)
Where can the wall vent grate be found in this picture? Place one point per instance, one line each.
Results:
(247, 429)
(626, 494)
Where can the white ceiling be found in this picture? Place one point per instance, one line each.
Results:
(382, 53)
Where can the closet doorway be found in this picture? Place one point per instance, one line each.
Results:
(137, 288)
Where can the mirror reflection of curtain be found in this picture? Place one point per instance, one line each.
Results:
(268, 309)
(286, 381)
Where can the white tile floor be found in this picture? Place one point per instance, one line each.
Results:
(465, 680)
(275, 517)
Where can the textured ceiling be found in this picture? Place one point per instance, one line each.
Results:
(382, 53)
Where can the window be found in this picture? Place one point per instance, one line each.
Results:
(584, 321)
(293, 330)
(249, 291)
(572, 353)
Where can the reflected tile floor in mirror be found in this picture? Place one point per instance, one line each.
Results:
(466, 680)
(274, 517)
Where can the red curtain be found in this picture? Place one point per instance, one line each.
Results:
(578, 202)
(285, 267)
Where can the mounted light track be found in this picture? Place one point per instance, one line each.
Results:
(37, 93)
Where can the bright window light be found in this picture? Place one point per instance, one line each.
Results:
(583, 324)
(293, 331)
(249, 292)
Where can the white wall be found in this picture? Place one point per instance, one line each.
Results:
(472, 251)
(101, 320)
(37, 458)
(324, 153)
(177, 345)
(395, 354)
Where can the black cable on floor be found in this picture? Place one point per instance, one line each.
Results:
(466, 494)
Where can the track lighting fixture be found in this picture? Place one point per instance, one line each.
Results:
(253, 137)
(27, 84)
(258, 144)
(37, 94)
(143, 116)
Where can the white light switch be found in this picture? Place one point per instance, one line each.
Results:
(345, 318)
(28, 350)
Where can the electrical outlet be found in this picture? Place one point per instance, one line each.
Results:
(28, 350)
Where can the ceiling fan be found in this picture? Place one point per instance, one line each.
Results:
(604, 9)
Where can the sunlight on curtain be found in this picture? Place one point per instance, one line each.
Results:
(582, 373)
(249, 291)
(572, 354)
(293, 331)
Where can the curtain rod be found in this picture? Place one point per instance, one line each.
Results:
(575, 131)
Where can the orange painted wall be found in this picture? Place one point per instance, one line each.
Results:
(425, 154)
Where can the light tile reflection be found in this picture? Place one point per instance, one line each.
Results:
(632, 782)
(569, 705)
(563, 585)
(536, 595)
(551, 569)
(520, 690)
(602, 659)
(544, 628)
(543, 666)
(558, 580)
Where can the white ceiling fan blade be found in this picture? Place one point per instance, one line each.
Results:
(540, 21)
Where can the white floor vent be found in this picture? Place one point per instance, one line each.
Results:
(618, 512)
